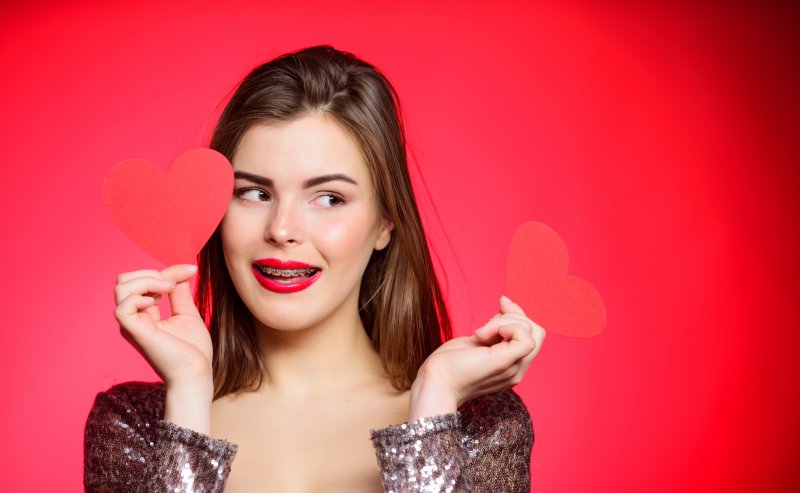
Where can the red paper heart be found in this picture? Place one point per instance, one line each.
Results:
(170, 216)
(537, 280)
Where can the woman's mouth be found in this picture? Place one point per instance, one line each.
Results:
(286, 275)
(285, 280)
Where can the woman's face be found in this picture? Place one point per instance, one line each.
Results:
(302, 223)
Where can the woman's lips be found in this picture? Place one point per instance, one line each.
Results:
(292, 285)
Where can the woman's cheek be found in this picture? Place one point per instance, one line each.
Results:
(241, 234)
(341, 235)
(332, 235)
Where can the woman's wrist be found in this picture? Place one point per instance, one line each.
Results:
(430, 397)
(189, 406)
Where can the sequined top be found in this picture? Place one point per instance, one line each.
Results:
(484, 446)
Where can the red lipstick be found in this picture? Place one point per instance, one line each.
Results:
(285, 276)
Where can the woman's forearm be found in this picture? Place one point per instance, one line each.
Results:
(428, 398)
(189, 406)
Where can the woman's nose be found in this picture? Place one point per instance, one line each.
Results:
(285, 226)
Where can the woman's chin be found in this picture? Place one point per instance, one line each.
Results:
(285, 324)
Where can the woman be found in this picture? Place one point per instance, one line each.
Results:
(325, 320)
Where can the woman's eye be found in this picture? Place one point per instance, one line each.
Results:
(251, 194)
(329, 200)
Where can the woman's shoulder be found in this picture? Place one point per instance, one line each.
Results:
(491, 413)
(133, 397)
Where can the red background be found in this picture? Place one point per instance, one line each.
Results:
(659, 141)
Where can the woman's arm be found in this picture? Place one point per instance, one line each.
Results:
(132, 443)
(483, 447)
(128, 447)
(449, 445)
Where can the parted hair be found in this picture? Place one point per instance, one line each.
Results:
(400, 300)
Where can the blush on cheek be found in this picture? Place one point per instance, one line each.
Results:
(337, 238)
(343, 233)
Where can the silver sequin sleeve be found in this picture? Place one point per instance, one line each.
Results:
(483, 447)
(129, 448)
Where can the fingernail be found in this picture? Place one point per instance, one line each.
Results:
(190, 267)
(168, 284)
(505, 298)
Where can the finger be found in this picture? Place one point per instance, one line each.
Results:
(516, 317)
(538, 335)
(180, 297)
(489, 331)
(520, 343)
(508, 306)
(141, 286)
(525, 362)
(495, 333)
(179, 272)
(488, 336)
(516, 332)
(127, 315)
(127, 276)
(153, 311)
(517, 370)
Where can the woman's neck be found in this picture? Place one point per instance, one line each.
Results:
(330, 356)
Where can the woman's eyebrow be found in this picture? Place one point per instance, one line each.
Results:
(317, 180)
(326, 178)
(244, 175)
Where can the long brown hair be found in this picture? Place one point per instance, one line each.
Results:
(400, 300)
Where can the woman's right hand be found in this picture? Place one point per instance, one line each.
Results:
(179, 347)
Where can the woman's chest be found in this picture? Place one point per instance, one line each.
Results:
(305, 449)
(304, 461)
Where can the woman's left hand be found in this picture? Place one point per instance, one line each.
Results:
(494, 358)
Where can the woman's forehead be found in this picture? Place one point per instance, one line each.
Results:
(300, 149)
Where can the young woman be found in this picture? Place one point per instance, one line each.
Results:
(324, 367)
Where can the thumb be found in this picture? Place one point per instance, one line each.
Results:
(508, 306)
(180, 298)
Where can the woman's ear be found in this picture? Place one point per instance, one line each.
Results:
(385, 235)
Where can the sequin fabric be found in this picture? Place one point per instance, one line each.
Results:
(483, 447)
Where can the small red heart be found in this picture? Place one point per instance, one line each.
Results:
(537, 280)
(170, 216)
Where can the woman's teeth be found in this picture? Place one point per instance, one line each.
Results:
(287, 272)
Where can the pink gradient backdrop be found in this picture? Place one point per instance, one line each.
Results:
(656, 140)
